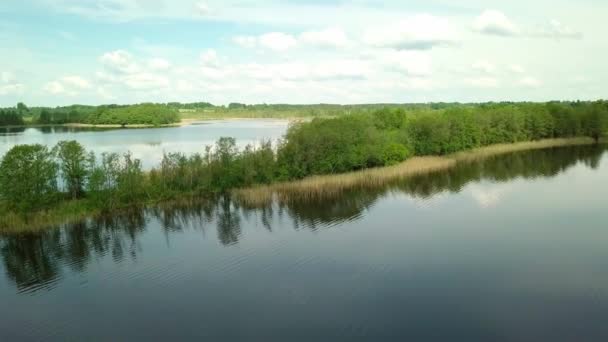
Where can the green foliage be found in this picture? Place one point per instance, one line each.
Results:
(372, 136)
(143, 114)
(12, 116)
(326, 146)
(595, 120)
(388, 119)
(28, 178)
(73, 165)
(258, 165)
(394, 153)
(116, 181)
(429, 133)
(22, 108)
(139, 114)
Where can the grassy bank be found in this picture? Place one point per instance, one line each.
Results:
(331, 186)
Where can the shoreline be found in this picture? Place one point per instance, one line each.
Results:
(311, 188)
(329, 186)
(182, 123)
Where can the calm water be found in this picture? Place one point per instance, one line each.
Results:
(513, 248)
(148, 144)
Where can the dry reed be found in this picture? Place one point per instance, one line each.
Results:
(331, 186)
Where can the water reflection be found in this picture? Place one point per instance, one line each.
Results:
(529, 165)
(37, 261)
(34, 261)
(147, 144)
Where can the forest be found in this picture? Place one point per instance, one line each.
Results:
(36, 178)
(140, 114)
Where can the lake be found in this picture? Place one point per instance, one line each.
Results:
(148, 144)
(513, 248)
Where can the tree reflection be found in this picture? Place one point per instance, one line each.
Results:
(228, 222)
(36, 261)
(534, 164)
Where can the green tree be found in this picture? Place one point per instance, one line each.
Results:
(430, 134)
(595, 121)
(73, 165)
(28, 178)
(22, 108)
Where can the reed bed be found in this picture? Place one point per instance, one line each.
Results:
(331, 186)
(67, 212)
(495, 150)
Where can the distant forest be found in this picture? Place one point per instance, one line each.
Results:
(139, 114)
(156, 114)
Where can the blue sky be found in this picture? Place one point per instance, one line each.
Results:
(57, 52)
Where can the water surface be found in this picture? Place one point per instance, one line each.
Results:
(148, 144)
(511, 248)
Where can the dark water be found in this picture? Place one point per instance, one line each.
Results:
(148, 144)
(512, 248)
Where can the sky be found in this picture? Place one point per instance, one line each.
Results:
(60, 52)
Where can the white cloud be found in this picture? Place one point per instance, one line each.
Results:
(557, 30)
(531, 82)
(277, 41)
(332, 37)
(249, 42)
(119, 61)
(54, 88)
(68, 85)
(213, 73)
(9, 84)
(158, 64)
(76, 82)
(6, 77)
(420, 32)
(516, 68)
(484, 66)
(184, 86)
(340, 69)
(104, 93)
(146, 81)
(495, 23)
(13, 88)
(104, 77)
(209, 58)
(483, 82)
(298, 71)
(202, 8)
(411, 63)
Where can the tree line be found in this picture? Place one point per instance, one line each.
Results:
(139, 114)
(13, 116)
(35, 177)
(391, 135)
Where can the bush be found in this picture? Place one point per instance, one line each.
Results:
(394, 153)
(327, 146)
